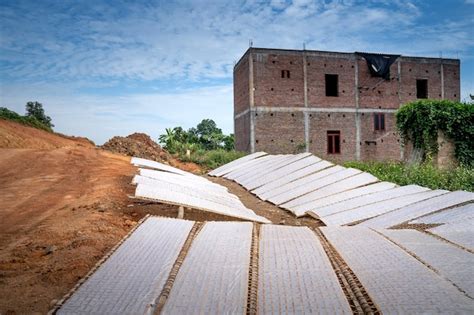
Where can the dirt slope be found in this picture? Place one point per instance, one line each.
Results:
(14, 135)
(62, 207)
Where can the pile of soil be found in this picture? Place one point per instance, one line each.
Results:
(138, 145)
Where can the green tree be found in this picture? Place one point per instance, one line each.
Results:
(229, 142)
(35, 109)
(210, 137)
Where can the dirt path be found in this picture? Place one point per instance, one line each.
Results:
(263, 208)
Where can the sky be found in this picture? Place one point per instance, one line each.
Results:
(103, 68)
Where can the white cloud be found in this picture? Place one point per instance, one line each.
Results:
(67, 48)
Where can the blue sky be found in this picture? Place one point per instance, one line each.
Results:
(105, 68)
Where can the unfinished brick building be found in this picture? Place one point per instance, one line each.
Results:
(339, 106)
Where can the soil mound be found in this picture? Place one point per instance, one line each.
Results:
(139, 145)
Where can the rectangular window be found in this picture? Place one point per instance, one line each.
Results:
(285, 74)
(334, 141)
(422, 88)
(379, 121)
(331, 84)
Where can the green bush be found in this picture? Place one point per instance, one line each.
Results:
(31, 121)
(212, 158)
(426, 174)
(420, 121)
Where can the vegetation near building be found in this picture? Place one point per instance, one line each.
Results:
(419, 122)
(206, 143)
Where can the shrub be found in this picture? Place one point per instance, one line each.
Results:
(420, 121)
(212, 158)
(425, 174)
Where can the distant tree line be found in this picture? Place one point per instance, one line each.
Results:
(34, 116)
(205, 136)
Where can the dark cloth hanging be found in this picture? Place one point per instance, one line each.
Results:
(379, 65)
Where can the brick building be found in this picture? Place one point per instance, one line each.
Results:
(339, 106)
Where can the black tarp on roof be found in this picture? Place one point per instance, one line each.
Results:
(379, 64)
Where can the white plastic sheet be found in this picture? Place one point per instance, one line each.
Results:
(188, 198)
(368, 199)
(312, 206)
(213, 278)
(224, 169)
(295, 275)
(457, 214)
(461, 233)
(330, 189)
(446, 200)
(268, 189)
(157, 165)
(380, 208)
(283, 172)
(133, 277)
(397, 282)
(454, 263)
(287, 191)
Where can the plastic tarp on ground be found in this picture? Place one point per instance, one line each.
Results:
(193, 199)
(368, 199)
(193, 192)
(268, 189)
(301, 191)
(288, 191)
(295, 275)
(248, 181)
(181, 180)
(213, 278)
(252, 166)
(224, 169)
(157, 165)
(312, 207)
(458, 214)
(133, 277)
(461, 233)
(454, 263)
(380, 208)
(283, 171)
(446, 200)
(396, 281)
(337, 186)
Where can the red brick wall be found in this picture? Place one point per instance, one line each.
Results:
(411, 71)
(279, 132)
(267, 76)
(317, 68)
(376, 92)
(387, 145)
(320, 123)
(451, 82)
(242, 133)
(241, 86)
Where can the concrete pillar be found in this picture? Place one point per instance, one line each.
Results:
(305, 94)
(357, 114)
(251, 104)
(442, 80)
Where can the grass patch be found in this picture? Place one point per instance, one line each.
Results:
(212, 159)
(31, 121)
(426, 174)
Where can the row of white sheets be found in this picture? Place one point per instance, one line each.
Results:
(306, 185)
(166, 184)
(403, 271)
